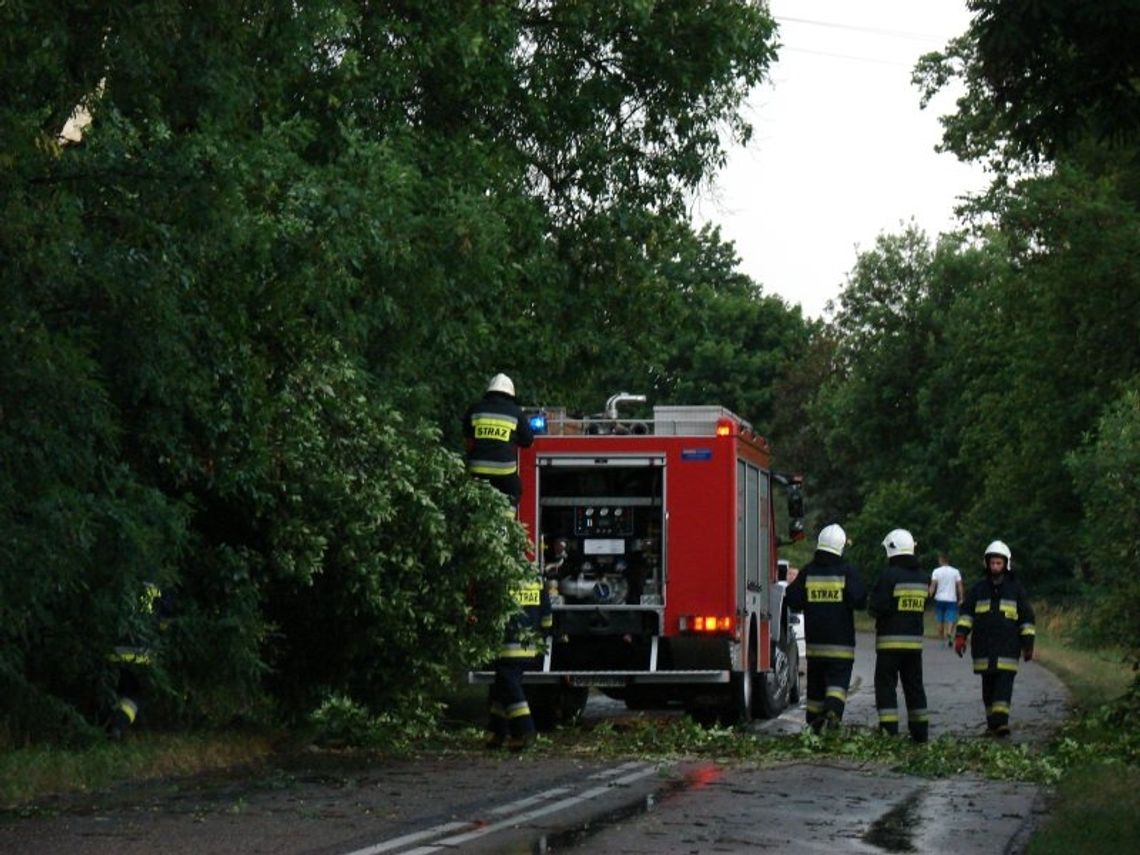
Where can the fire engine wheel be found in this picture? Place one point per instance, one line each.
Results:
(776, 685)
(574, 702)
(794, 673)
(552, 705)
(739, 709)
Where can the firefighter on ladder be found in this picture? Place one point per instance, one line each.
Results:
(827, 591)
(494, 427)
(998, 614)
(898, 603)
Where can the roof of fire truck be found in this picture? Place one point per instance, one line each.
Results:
(666, 421)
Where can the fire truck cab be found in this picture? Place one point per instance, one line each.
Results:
(656, 540)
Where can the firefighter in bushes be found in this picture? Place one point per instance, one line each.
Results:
(997, 613)
(827, 591)
(897, 604)
(493, 427)
(134, 660)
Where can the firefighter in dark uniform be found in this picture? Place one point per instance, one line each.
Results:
(494, 427)
(897, 604)
(133, 661)
(998, 614)
(510, 720)
(827, 591)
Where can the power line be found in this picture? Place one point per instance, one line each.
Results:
(879, 31)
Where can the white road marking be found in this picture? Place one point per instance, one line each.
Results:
(519, 819)
(535, 799)
(414, 837)
(617, 770)
(633, 771)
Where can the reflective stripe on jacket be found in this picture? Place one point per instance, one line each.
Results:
(492, 428)
(827, 591)
(530, 625)
(898, 603)
(1000, 620)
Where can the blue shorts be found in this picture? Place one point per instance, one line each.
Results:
(945, 611)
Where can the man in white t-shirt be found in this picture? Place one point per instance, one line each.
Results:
(946, 588)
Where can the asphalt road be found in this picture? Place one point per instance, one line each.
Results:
(953, 696)
(479, 802)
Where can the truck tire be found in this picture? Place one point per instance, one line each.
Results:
(776, 685)
(555, 704)
(741, 691)
(794, 669)
(543, 703)
(639, 698)
(574, 700)
(742, 685)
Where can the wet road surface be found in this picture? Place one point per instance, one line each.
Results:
(953, 696)
(506, 803)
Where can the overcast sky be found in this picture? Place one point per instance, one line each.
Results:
(841, 151)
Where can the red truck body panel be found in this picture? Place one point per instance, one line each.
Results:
(657, 541)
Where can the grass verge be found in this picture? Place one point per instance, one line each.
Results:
(30, 774)
(1093, 675)
(1097, 810)
(1096, 807)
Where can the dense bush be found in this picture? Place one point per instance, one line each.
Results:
(1107, 474)
(244, 308)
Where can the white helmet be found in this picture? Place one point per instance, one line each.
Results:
(501, 383)
(832, 539)
(899, 542)
(998, 547)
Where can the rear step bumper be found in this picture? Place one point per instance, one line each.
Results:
(609, 678)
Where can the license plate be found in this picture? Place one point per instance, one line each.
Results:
(597, 681)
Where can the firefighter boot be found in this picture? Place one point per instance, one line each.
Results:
(521, 742)
(496, 733)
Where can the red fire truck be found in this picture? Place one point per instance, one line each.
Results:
(657, 541)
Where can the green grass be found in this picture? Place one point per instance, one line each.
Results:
(1093, 675)
(1097, 810)
(1097, 803)
(30, 774)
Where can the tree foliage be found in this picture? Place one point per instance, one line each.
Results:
(981, 389)
(242, 315)
(1040, 77)
(1106, 470)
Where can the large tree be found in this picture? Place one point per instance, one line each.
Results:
(1040, 77)
(1016, 345)
(242, 313)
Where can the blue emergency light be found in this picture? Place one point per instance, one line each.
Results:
(538, 423)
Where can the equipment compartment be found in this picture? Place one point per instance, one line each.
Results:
(601, 524)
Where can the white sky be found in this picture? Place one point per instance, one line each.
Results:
(840, 151)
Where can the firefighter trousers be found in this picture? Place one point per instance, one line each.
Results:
(509, 712)
(891, 668)
(997, 693)
(827, 682)
(128, 697)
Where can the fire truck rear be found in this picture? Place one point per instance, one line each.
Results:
(657, 541)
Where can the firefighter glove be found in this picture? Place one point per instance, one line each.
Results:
(960, 644)
(1027, 654)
